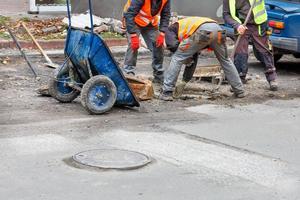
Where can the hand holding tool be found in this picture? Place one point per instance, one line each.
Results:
(245, 25)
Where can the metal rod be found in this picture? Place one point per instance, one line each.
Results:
(69, 14)
(20, 49)
(91, 16)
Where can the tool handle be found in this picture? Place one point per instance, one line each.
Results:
(21, 50)
(36, 43)
(244, 24)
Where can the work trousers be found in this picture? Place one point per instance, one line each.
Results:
(150, 35)
(195, 43)
(261, 43)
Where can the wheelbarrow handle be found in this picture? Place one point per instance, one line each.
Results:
(91, 14)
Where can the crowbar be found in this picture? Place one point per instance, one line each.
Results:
(21, 50)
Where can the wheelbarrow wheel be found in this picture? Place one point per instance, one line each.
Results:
(98, 94)
(59, 89)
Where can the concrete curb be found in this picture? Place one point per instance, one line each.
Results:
(55, 44)
(117, 51)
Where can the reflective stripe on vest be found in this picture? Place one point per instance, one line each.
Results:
(187, 26)
(144, 18)
(259, 11)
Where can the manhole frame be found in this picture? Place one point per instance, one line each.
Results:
(77, 162)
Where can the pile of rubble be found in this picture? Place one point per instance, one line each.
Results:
(82, 21)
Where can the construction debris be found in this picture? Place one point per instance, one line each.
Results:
(101, 24)
(142, 87)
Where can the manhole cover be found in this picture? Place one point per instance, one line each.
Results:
(112, 159)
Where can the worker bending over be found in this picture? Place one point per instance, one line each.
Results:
(235, 13)
(142, 18)
(186, 38)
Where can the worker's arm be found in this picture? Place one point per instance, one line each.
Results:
(129, 16)
(165, 17)
(227, 15)
(171, 37)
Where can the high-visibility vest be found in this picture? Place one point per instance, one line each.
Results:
(144, 18)
(259, 11)
(187, 26)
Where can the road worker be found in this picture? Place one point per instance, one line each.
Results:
(234, 13)
(149, 18)
(186, 38)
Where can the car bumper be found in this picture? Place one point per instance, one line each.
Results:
(290, 44)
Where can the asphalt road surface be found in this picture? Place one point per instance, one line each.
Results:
(206, 149)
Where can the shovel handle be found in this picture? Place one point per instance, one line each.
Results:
(36, 43)
(244, 24)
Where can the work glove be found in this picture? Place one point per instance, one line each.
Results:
(160, 40)
(135, 42)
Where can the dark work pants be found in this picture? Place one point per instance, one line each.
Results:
(261, 43)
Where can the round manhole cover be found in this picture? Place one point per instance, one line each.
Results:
(112, 159)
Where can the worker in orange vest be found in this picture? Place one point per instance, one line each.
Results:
(142, 18)
(186, 38)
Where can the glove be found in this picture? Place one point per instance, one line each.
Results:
(160, 39)
(135, 42)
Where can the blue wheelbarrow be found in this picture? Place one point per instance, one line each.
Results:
(91, 71)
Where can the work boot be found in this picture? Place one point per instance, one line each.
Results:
(179, 89)
(240, 95)
(166, 96)
(130, 73)
(273, 85)
(245, 79)
(158, 80)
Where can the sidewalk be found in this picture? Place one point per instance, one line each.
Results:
(13, 7)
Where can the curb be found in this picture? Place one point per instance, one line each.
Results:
(55, 44)
(117, 51)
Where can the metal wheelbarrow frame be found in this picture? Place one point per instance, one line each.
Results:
(90, 70)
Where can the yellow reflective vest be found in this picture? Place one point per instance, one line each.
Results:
(187, 26)
(259, 11)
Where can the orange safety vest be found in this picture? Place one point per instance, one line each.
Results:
(187, 26)
(144, 18)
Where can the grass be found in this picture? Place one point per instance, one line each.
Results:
(60, 2)
(4, 35)
(25, 19)
(4, 20)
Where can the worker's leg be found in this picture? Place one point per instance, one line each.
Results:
(218, 44)
(261, 43)
(130, 58)
(230, 71)
(190, 69)
(241, 56)
(186, 49)
(150, 35)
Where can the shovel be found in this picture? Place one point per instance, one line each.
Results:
(49, 61)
